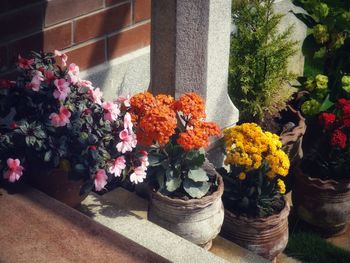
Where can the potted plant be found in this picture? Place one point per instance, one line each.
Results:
(186, 191)
(57, 129)
(256, 213)
(322, 193)
(259, 76)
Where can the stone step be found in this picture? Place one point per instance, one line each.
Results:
(126, 213)
(37, 228)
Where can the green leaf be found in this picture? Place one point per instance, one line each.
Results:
(47, 156)
(154, 160)
(310, 47)
(196, 189)
(326, 104)
(198, 175)
(173, 182)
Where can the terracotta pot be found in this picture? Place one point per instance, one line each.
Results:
(292, 140)
(322, 203)
(56, 184)
(197, 220)
(266, 236)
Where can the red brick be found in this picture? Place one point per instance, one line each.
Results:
(24, 21)
(49, 40)
(142, 10)
(9, 5)
(129, 40)
(89, 55)
(114, 2)
(61, 10)
(102, 23)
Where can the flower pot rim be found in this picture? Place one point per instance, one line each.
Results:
(324, 184)
(192, 202)
(298, 130)
(261, 220)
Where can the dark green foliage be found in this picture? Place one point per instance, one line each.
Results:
(258, 60)
(329, 23)
(179, 173)
(311, 248)
(256, 196)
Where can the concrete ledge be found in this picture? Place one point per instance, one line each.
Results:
(126, 213)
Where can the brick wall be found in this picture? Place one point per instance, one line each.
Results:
(89, 31)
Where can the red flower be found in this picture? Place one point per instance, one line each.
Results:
(326, 119)
(338, 139)
(342, 102)
(346, 122)
(346, 110)
(4, 83)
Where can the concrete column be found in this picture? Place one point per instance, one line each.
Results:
(190, 52)
(296, 63)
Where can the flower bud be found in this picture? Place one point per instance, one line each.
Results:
(321, 33)
(346, 83)
(321, 82)
(321, 10)
(310, 107)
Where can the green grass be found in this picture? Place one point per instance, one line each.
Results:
(314, 66)
(309, 247)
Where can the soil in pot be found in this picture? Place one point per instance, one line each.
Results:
(265, 236)
(197, 220)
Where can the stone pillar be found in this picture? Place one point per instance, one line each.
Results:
(296, 63)
(190, 52)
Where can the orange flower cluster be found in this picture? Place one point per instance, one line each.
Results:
(198, 136)
(192, 106)
(156, 120)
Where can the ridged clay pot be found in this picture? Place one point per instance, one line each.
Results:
(322, 203)
(267, 236)
(197, 220)
(56, 183)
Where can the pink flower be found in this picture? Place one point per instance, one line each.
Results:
(100, 179)
(138, 175)
(96, 95)
(15, 170)
(60, 119)
(111, 111)
(85, 84)
(49, 75)
(124, 100)
(25, 63)
(128, 141)
(62, 89)
(73, 73)
(144, 158)
(117, 166)
(34, 84)
(63, 57)
(127, 122)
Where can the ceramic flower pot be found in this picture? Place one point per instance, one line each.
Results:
(322, 203)
(197, 220)
(56, 183)
(292, 140)
(266, 236)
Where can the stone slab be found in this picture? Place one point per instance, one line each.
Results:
(126, 213)
(37, 228)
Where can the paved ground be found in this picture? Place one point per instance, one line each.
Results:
(36, 228)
